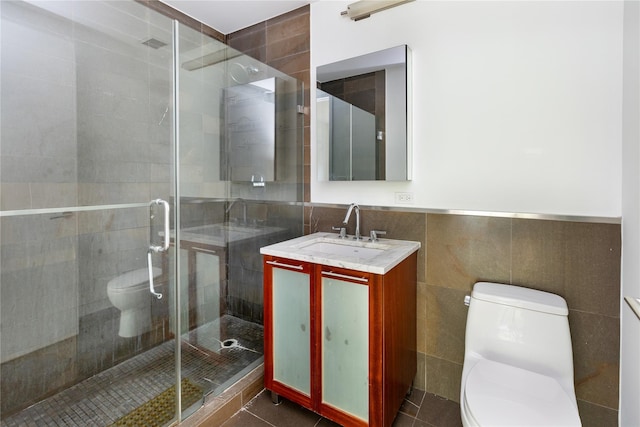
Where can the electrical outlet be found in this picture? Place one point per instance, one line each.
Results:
(404, 198)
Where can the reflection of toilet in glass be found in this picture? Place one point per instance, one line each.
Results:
(130, 294)
(518, 363)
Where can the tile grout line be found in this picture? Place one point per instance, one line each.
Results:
(258, 417)
(415, 419)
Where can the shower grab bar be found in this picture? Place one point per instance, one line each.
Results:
(65, 214)
(157, 248)
(152, 289)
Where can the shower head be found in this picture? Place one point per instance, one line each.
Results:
(154, 43)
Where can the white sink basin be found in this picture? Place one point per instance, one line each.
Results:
(343, 248)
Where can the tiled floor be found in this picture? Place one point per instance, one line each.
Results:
(418, 410)
(102, 399)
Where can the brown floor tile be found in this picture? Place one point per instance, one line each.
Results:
(403, 420)
(419, 423)
(420, 409)
(440, 412)
(415, 397)
(283, 415)
(245, 419)
(409, 408)
(326, 423)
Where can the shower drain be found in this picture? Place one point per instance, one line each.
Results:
(230, 343)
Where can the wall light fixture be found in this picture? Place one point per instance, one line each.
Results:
(364, 8)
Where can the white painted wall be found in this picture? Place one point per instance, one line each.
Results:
(516, 105)
(630, 327)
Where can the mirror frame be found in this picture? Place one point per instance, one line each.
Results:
(397, 129)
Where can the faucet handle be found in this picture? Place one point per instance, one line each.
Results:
(342, 230)
(375, 233)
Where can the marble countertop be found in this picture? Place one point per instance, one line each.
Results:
(328, 249)
(223, 233)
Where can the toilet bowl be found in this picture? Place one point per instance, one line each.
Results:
(518, 364)
(130, 294)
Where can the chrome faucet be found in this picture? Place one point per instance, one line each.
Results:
(244, 208)
(353, 206)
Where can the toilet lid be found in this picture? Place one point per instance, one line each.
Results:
(502, 395)
(132, 279)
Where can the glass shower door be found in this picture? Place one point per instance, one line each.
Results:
(199, 238)
(87, 143)
(108, 107)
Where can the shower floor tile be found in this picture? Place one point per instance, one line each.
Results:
(208, 359)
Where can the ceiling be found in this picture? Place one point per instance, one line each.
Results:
(228, 16)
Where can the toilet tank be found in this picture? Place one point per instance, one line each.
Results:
(521, 327)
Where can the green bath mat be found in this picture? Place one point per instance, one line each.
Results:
(161, 409)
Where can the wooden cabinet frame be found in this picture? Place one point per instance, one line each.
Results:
(192, 249)
(392, 338)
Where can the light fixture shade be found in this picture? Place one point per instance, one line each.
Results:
(364, 8)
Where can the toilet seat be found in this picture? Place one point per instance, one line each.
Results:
(497, 394)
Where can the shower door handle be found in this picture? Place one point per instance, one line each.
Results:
(150, 266)
(155, 248)
(166, 237)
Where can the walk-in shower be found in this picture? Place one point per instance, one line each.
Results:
(108, 109)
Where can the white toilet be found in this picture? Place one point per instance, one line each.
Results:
(518, 361)
(130, 294)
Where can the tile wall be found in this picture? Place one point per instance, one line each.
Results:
(283, 43)
(38, 253)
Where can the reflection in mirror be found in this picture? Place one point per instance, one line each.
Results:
(351, 134)
(244, 138)
(361, 117)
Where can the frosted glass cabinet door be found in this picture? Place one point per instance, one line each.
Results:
(207, 287)
(345, 346)
(291, 329)
(208, 299)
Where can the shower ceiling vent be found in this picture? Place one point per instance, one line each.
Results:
(154, 43)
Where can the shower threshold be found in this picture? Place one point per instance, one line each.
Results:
(102, 399)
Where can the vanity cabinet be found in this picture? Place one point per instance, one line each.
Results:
(339, 341)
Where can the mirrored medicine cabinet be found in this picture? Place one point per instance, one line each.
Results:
(362, 125)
